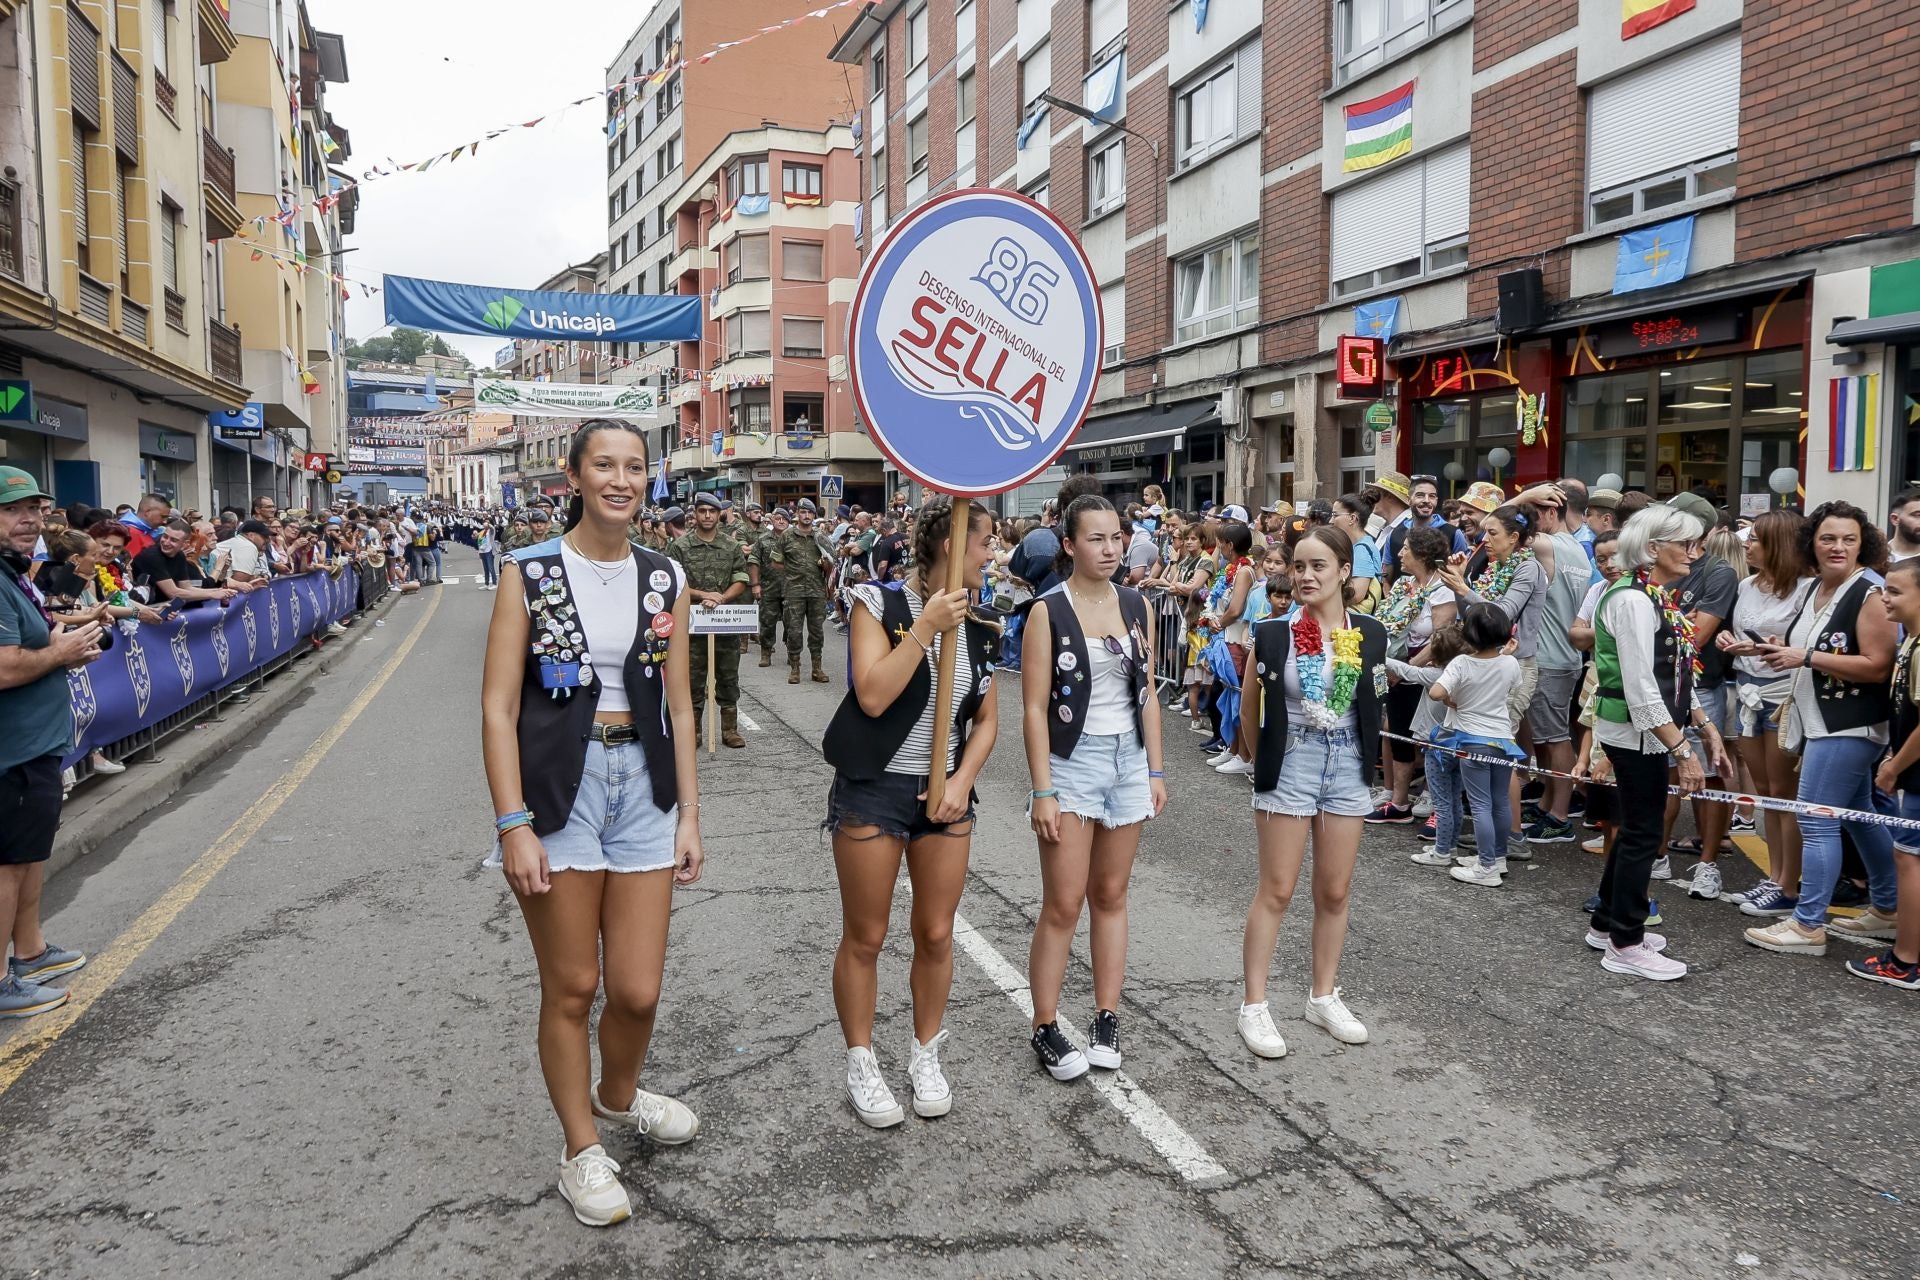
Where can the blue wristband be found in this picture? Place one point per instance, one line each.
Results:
(1156, 773)
(508, 821)
(1049, 794)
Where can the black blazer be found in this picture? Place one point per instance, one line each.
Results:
(1272, 642)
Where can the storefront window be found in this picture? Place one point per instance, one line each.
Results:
(1280, 460)
(27, 450)
(1455, 439)
(1907, 410)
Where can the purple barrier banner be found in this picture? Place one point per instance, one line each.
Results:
(164, 667)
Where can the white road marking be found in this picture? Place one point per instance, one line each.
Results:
(746, 722)
(1188, 1158)
(454, 581)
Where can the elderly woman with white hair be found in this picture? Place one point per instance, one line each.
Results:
(1644, 653)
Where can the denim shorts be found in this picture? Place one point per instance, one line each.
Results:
(1758, 721)
(1906, 805)
(890, 802)
(1105, 780)
(1714, 704)
(1321, 773)
(615, 825)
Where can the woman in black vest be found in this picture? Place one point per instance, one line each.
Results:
(588, 736)
(1840, 651)
(880, 745)
(1311, 722)
(1093, 751)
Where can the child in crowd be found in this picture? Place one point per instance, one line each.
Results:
(1899, 777)
(1279, 595)
(1259, 604)
(1443, 768)
(1474, 688)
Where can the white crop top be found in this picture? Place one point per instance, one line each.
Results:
(609, 618)
(1110, 700)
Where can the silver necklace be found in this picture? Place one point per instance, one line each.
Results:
(1085, 603)
(599, 566)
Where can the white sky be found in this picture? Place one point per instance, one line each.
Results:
(427, 75)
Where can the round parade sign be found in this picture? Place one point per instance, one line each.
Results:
(976, 342)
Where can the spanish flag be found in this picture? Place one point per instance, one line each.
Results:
(1644, 15)
(795, 198)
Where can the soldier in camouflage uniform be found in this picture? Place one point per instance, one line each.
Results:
(717, 574)
(522, 535)
(768, 561)
(807, 563)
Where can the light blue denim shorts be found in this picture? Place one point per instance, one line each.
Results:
(1105, 780)
(1321, 773)
(615, 825)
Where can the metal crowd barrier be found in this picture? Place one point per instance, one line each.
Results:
(1170, 637)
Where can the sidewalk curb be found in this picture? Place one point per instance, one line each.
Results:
(114, 804)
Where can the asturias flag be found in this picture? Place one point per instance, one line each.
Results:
(1653, 256)
(1379, 130)
(1644, 15)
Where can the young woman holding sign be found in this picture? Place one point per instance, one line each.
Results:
(1312, 725)
(1093, 750)
(880, 744)
(588, 736)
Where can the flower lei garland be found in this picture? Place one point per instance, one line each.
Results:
(1324, 708)
(110, 589)
(1497, 578)
(1674, 617)
(1404, 604)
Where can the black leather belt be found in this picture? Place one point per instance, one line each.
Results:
(613, 734)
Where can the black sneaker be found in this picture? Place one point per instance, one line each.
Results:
(1103, 1041)
(1057, 1053)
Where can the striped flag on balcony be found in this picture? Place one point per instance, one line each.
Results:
(1644, 15)
(1379, 130)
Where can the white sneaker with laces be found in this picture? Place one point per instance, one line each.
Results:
(1484, 876)
(591, 1184)
(931, 1094)
(1641, 961)
(1473, 860)
(1429, 856)
(1423, 807)
(1662, 868)
(1706, 881)
(1259, 1033)
(1221, 758)
(1871, 923)
(1331, 1012)
(867, 1091)
(1379, 795)
(1600, 941)
(1235, 766)
(106, 766)
(652, 1115)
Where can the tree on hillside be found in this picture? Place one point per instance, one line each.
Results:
(402, 346)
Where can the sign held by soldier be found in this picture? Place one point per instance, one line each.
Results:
(724, 620)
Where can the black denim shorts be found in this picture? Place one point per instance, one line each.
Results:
(29, 810)
(890, 802)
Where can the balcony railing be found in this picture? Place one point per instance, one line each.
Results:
(176, 311)
(10, 251)
(133, 320)
(219, 162)
(166, 95)
(223, 352)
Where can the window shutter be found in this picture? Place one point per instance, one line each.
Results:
(81, 229)
(1113, 313)
(758, 331)
(801, 259)
(83, 67)
(169, 246)
(1448, 179)
(1370, 227)
(1247, 110)
(1106, 22)
(1681, 109)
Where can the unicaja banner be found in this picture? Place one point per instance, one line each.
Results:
(538, 313)
(566, 399)
(976, 342)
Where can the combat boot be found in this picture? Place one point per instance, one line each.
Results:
(730, 727)
(766, 657)
(819, 673)
(793, 670)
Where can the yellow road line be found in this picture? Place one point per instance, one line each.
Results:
(108, 967)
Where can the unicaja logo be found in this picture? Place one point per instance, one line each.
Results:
(503, 312)
(10, 398)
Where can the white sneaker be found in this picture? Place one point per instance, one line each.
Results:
(1423, 807)
(1642, 961)
(1379, 795)
(1332, 1013)
(652, 1115)
(1259, 1033)
(106, 767)
(1596, 845)
(1484, 876)
(1706, 881)
(590, 1183)
(1663, 868)
(335, 629)
(493, 586)
(1235, 766)
(931, 1095)
(479, 586)
(1651, 940)
(867, 1091)
(1870, 923)
(1473, 860)
(1430, 856)
(1216, 761)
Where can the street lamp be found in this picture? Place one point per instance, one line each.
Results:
(1784, 481)
(1497, 459)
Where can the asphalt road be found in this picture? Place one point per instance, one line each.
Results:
(307, 1050)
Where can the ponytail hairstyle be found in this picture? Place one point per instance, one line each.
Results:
(930, 538)
(577, 453)
(1069, 526)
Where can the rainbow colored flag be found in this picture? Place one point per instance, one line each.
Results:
(1853, 423)
(1379, 130)
(1644, 15)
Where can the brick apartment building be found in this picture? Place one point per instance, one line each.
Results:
(1473, 209)
(763, 229)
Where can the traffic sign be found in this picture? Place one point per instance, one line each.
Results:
(834, 487)
(976, 341)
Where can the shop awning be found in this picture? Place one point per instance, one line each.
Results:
(1903, 327)
(1147, 434)
(1627, 306)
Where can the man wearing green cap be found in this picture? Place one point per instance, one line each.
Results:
(37, 710)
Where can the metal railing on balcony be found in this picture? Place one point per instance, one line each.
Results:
(96, 300)
(166, 95)
(133, 320)
(219, 166)
(10, 248)
(176, 310)
(223, 352)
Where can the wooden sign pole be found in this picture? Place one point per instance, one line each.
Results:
(959, 527)
(713, 697)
